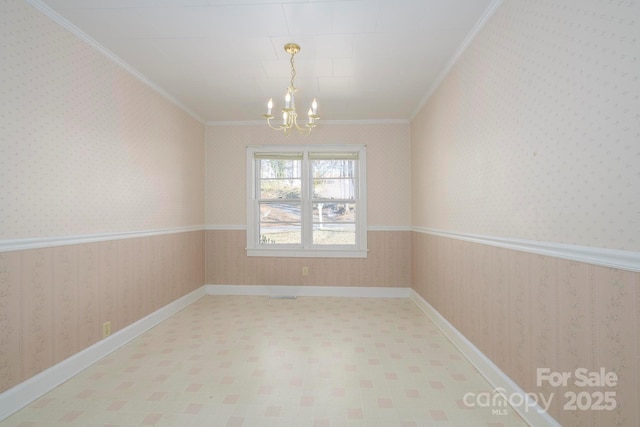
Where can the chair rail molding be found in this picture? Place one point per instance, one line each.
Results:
(613, 258)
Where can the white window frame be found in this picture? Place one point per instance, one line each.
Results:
(306, 249)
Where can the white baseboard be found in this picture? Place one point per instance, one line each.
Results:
(26, 392)
(21, 395)
(532, 414)
(309, 291)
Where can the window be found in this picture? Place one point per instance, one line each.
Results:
(306, 201)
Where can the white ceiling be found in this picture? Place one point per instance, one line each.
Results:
(223, 59)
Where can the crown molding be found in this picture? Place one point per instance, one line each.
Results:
(52, 14)
(488, 13)
(235, 123)
(328, 122)
(368, 122)
(55, 16)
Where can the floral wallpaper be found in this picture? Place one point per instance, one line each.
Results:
(527, 311)
(388, 172)
(534, 132)
(85, 147)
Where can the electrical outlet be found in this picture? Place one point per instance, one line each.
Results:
(106, 329)
(305, 271)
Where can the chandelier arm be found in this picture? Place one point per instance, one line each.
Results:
(297, 126)
(274, 127)
(304, 131)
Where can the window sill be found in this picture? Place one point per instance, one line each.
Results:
(309, 253)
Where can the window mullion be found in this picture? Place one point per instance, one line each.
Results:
(335, 239)
(307, 191)
(256, 201)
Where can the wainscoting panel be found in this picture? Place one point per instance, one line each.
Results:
(53, 301)
(388, 263)
(528, 311)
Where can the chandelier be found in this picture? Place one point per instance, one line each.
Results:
(289, 115)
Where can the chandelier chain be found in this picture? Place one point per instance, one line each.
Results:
(293, 73)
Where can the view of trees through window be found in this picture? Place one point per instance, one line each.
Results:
(280, 201)
(330, 200)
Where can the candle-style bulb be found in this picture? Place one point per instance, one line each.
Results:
(269, 105)
(287, 100)
(314, 106)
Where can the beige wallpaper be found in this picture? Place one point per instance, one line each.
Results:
(535, 131)
(84, 146)
(527, 311)
(388, 173)
(388, 263)
(55, 300)
(534, 134)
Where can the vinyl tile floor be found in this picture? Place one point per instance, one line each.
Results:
(246, 361)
